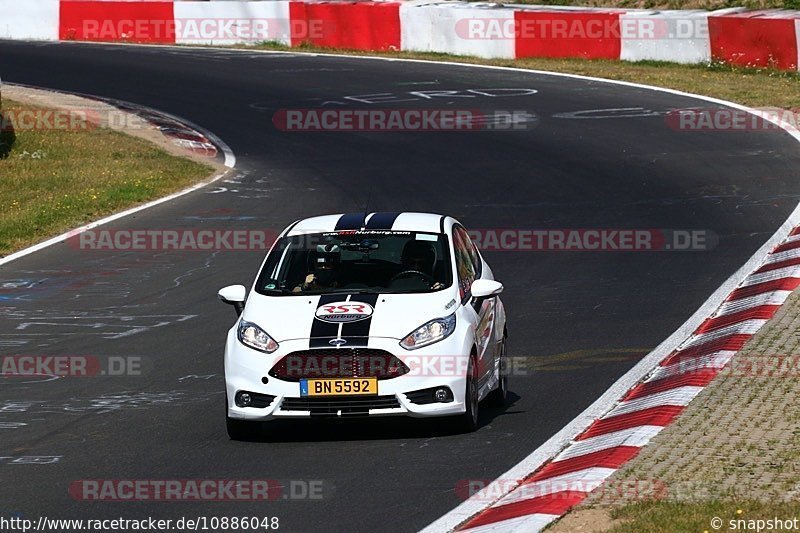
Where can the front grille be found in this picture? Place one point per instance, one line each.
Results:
(338, 363)
(332, 406)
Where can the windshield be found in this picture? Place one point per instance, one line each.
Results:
(357, 261)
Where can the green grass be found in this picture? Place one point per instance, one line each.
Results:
(54, 180)
(680, 517)
(668, 4)
(752, 87)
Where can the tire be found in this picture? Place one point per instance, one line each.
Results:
(238, 429)
(499, 396)
(468, 422)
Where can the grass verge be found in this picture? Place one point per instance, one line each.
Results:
(680, 517)
(751, 87)
(668, 4)
(53, 180)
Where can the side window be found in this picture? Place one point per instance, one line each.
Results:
(465, 266)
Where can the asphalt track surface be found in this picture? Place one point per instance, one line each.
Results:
(582, 319)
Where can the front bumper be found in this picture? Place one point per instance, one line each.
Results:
(443, 364)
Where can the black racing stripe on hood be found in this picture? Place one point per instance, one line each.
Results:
(350, 221)
(321, 331)
(382, 220)
(356, 332)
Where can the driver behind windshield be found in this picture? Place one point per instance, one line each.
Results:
(420, 256)
(324, 265)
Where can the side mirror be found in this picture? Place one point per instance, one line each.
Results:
(483, 288)
(234, 295)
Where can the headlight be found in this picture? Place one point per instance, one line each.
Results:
(431, 332)
(255, 337)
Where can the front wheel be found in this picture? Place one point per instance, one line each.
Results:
(468, 422)
(499, 396)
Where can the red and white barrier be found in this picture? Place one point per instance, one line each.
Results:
(460, 29)
(226, 23)
(746, 38)
(141, 22)
(797, 40)
(677, 36)
(354, 25)
(756, 38)
(588, 33)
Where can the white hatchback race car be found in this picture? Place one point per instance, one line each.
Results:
(369, 314)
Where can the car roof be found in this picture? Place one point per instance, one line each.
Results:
(397, 221)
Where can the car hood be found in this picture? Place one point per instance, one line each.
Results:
(393, 315)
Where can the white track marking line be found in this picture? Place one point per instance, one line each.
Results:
(715, 360)
(746, 327)
(522, 524)
(782, 256)
(742, 304)
(636, 436)
(679, 396)
(585, 480)
(772, 275)
(230, 162)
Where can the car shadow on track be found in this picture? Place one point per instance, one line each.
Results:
(388, 428)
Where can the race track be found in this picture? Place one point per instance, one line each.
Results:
(582, 318)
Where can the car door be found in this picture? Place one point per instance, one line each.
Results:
(469, 267)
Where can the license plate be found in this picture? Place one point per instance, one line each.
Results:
(339, 387)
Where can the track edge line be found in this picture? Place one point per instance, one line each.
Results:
(230, 162)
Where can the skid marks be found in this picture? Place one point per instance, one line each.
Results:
(47, 326)
(247, 187)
